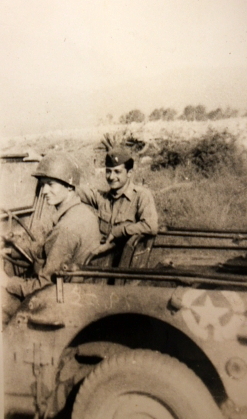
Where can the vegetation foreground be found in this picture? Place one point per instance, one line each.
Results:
(197, 170)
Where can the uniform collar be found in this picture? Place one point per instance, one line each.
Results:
(64, 208)
(127, 191)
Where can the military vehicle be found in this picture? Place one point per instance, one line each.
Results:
(161, 335)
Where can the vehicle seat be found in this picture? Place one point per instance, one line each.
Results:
(135, 254)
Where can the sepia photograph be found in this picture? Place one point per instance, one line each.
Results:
(123, 189)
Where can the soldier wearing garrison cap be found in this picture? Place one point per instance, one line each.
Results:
(125, 209)
(75, 232)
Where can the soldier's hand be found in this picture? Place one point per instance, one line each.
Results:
(102, 248)
(14, 285)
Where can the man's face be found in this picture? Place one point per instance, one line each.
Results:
(55, 192)
(117, 176)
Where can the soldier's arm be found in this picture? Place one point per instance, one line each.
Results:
(63, 245)
(89, 196)
(147, 218)
(61, 251)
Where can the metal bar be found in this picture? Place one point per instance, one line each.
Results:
(209, 235)
(20, 211)
(146, 274)
(14, 156)
(16, 262)
(198, 246)
(163, 278)
(59, 285)
(41, 204)
(205, 230)
(33, 213)
(149, 271)
(18, 220)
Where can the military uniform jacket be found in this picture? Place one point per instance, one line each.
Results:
(74, 235)
(133, 212)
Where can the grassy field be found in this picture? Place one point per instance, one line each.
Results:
(197, 170)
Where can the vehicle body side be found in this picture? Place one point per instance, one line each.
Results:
(45, 329)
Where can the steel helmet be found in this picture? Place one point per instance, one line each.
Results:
(60, 166)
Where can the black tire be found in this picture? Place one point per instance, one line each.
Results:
(143, 384)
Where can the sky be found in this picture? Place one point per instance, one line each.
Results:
(67, 63)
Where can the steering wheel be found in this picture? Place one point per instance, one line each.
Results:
(11, 238)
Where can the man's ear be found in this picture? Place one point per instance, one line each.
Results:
(129, 174)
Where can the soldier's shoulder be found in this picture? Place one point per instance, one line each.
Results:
(80, 210)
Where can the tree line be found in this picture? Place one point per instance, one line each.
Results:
(190, 113)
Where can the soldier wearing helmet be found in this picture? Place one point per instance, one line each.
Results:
(125, 209)
(75, 232)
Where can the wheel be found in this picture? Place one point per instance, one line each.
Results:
(143, 384)
(12, 216)
(10, 238)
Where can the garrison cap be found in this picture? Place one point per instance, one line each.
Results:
(117, 156)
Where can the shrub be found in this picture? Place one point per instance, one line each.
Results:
(222, 114)
(172, 154)
(200, 113)
(215, 114)
(194, 113)
(155, 115)
(167, 159)
(210, 154)
(215, 152)
(164, 114)
(132, 116)
(230, 113)
(134, 143)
